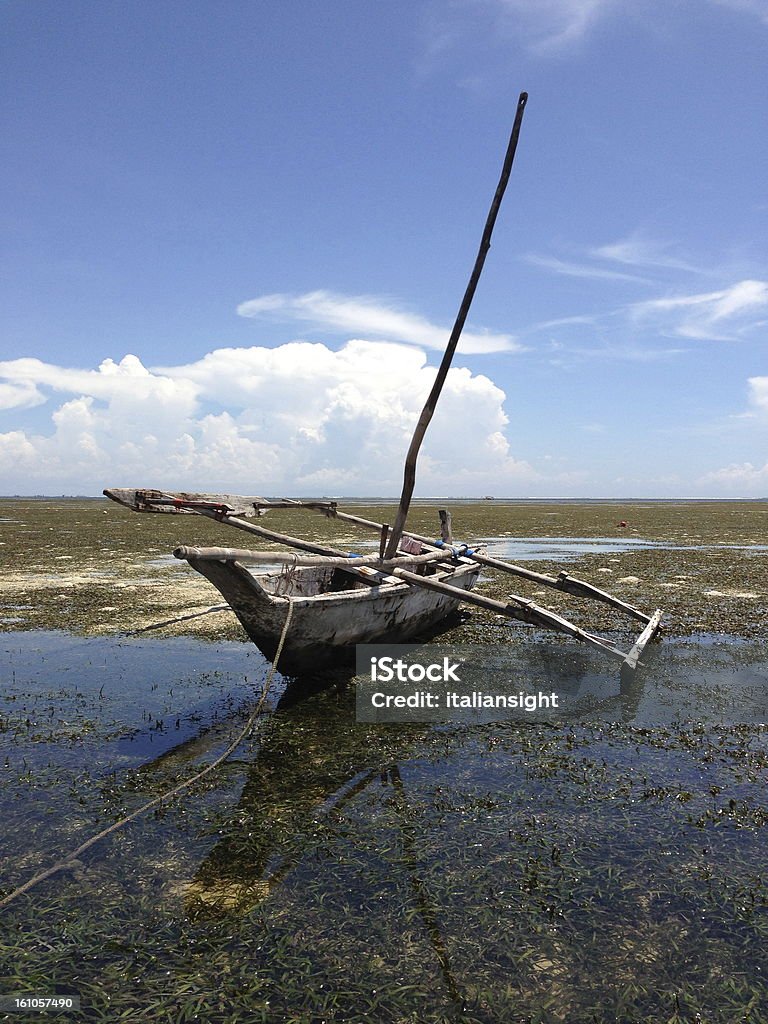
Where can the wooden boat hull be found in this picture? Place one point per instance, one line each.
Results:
(325, 627)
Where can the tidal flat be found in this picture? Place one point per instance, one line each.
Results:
(606, 867)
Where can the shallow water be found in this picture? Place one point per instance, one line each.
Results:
(714, 681)
(562, 549)
(498, 871)
(567, 549)
(118, 702)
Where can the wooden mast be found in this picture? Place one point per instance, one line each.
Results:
(409, 474)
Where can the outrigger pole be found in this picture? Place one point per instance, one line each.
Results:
(409, 473)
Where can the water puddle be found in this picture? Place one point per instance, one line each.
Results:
(166, 562)
(417, 851)
(520, 549)
(564, 549)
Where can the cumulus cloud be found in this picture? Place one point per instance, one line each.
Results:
(20, 395)
(716, 316)
(368, 317)
(758, 394)
(296, 419)
(126, 381)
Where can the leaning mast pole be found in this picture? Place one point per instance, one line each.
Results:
(409, 473)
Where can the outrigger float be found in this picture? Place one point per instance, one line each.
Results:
(324, 602)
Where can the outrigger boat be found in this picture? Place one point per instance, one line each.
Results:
(333, 601)
(340, 600)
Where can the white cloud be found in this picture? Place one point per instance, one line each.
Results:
(20, 395)
(716, 316)
(601, 337)
(127, 381)
(635, 251)
(587, 270)
(744, 478)
(628, 352)
(554, 25)
(758, 394)
(757, 7)
(296, 419)
(583, 320)
(368, 317)
(639, 251)
(17, 452)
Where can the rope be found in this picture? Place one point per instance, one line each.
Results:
(66, 862)
(287, 577)
(183, 618)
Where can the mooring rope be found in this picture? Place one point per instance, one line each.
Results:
(182, 618)
(66, 862)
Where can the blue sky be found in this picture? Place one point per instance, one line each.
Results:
(235, 237)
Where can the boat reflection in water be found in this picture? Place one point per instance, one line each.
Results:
(312, 760)
(317, 768)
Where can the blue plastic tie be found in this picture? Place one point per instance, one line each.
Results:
(457, 551)
(460, 551)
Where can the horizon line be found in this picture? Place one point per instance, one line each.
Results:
(394, 500)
